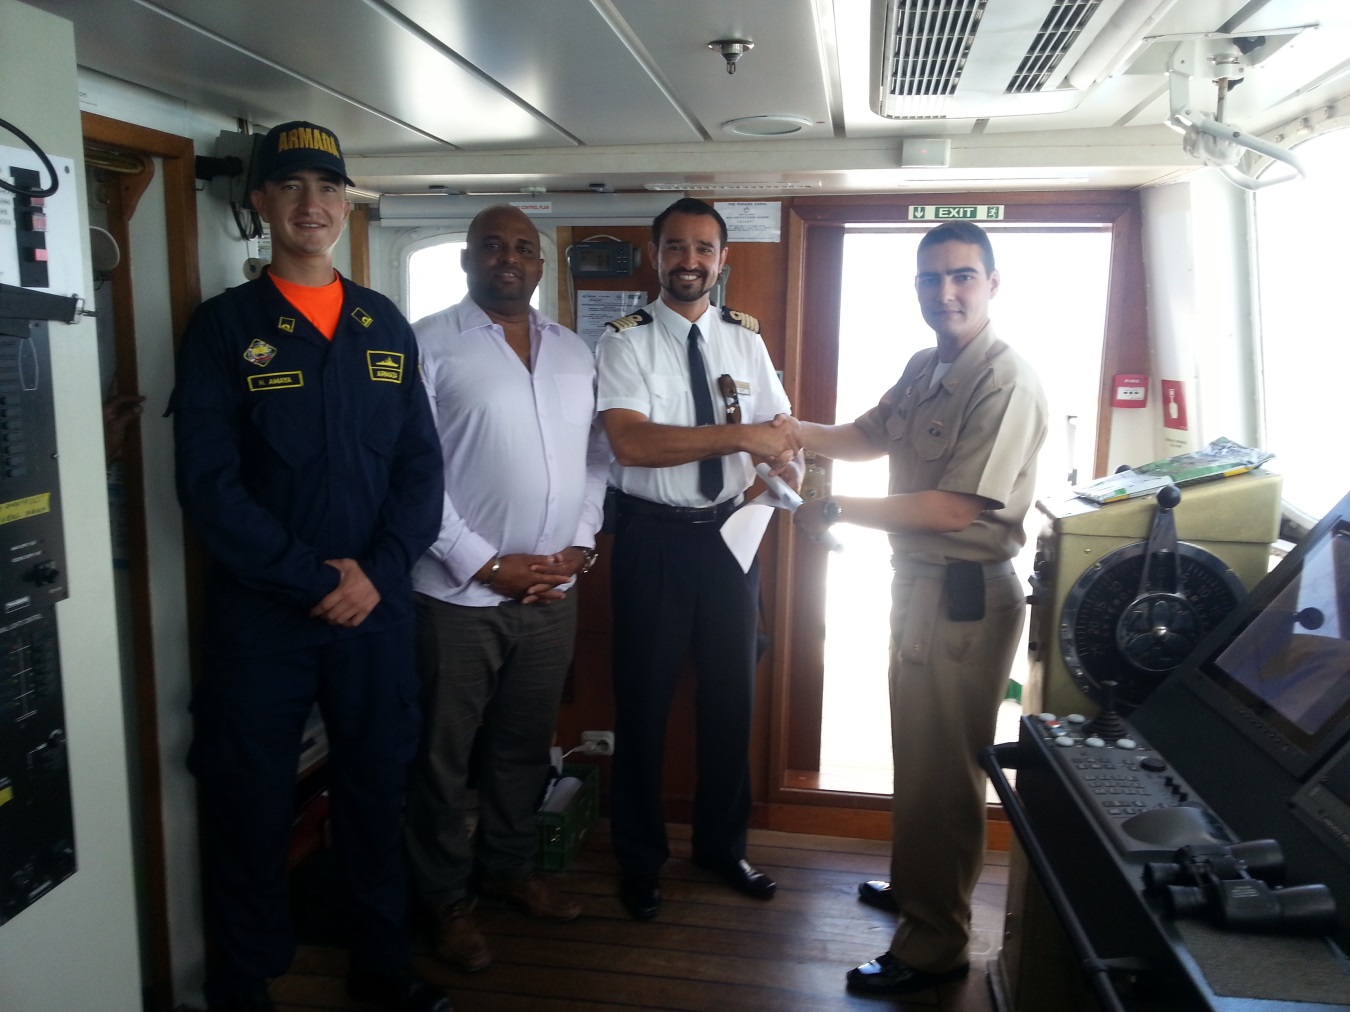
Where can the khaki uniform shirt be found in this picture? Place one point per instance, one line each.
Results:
(977, 431)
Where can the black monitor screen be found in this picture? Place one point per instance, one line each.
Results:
(1289, 661)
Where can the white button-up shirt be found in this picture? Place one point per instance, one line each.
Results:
(646, 369)
(525, 458)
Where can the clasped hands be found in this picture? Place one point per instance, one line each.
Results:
(534, 579)
(776, 443)
(352, 600)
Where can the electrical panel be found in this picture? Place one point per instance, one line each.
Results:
(40, 236)
(40, 268)
(37, 833)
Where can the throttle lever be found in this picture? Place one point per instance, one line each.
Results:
(1160, 626)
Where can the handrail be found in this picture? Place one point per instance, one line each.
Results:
(994, 758)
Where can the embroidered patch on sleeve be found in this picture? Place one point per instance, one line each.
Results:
(362, 317)
(385, 366)
(259, 352)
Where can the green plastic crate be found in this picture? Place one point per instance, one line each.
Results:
(562, 834)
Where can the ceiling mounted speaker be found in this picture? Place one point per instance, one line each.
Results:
(103, 250)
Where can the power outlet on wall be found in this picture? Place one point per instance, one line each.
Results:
(597, 743)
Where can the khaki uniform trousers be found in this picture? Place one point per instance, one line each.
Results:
(947, 680)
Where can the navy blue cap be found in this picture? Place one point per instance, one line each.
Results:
(298, 145)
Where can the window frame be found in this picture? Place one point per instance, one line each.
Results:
(426, 236)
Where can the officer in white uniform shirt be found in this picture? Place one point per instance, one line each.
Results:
(691, 402)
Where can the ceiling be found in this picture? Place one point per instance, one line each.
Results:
(505, 96)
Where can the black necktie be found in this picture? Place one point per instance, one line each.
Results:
(709, 470)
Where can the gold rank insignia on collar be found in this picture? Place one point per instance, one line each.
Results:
(747, 321)
(362, 317)
(639, 319)
(286, 323)
(260, 353)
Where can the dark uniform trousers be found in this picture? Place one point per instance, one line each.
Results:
(679, 591)
(249, 714)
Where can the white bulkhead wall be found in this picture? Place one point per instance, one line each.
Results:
(76, 948)
(38, 972)
(1202, 310)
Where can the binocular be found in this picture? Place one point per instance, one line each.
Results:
(1238, 888)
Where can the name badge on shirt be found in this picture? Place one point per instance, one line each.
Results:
(276, 381)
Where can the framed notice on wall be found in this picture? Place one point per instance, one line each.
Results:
(595, 309)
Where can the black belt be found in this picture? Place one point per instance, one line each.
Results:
(679, 514)
(910, 566)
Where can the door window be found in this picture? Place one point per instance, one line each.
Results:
(1051, 307)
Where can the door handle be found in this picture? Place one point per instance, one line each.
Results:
(816, 481)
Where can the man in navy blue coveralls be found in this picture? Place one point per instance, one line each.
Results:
(308, 465)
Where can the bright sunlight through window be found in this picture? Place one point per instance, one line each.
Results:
(1051, 307)
(1300, 228)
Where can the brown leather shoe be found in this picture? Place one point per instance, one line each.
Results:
(533, 895)
(458, 940)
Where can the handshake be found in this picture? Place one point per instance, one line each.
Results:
(775, 443)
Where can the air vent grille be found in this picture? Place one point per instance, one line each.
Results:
(927, 44)
(1063, 24)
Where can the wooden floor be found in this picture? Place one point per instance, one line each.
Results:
(711, 950)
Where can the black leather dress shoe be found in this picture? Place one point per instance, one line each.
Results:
(400, 990)
(641, 896)
(887, 975)
(877, 893)
(742, 876)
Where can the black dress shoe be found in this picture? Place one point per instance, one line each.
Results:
(400, 990)
(740, 875)
(877, 893)
(641, 896)
(887, 975)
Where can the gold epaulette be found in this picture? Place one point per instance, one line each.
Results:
(639, 319)
(744, 319)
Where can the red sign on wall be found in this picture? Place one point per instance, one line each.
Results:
(1173, 404)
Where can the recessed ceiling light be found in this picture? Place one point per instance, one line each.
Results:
(773, 125)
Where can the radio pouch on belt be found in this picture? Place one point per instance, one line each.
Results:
(965, 591)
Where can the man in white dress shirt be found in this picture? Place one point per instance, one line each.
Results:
(690, 400)
(513, 397)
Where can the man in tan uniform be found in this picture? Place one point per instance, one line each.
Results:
(962, 429)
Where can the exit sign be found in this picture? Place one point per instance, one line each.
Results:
(949, 212)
